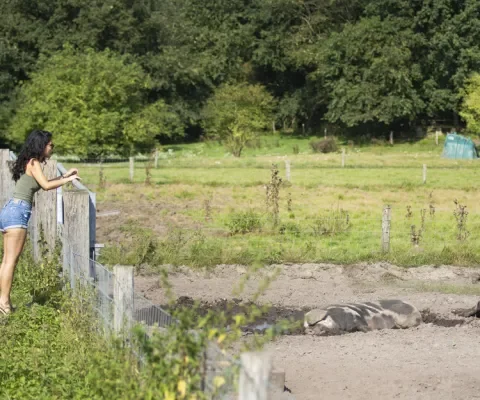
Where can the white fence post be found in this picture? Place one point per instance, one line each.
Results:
(156, 159)
(343, 158)
(287, 170)
(123, 298)
(386, 222)
(132, 166)
(254, 376)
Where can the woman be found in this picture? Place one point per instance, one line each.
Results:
(29, 178)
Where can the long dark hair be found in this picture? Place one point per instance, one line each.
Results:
(34, 147)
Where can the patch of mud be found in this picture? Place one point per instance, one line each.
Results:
(429, 317)
(272, 316)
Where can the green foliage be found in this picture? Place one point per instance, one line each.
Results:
(331, 222)
(328, 145)
(244, 222)
(153, 122)
(237, 115)
(59, 349)
(470, 111)
(92, 102)
(359, 63)
(374, 82)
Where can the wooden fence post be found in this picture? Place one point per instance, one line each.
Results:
(76, 234)
(424, 174)
(254, 376)
(132, 166)
(343, 158)
(391, 138)
(156, 159)
(45, 214)
(123, 298)
(436, 136)
(287, 170)
(386, 222)
(7, 185)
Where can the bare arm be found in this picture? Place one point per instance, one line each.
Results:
(45, 184)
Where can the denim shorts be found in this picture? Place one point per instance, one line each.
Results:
(15, 214)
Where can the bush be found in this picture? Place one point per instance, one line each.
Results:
(244, 222)
(328, 145)
(289, 228)
(331, 223)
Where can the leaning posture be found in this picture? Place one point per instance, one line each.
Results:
(366, 316)
(29, 178)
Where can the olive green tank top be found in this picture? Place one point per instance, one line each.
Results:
(25, 188)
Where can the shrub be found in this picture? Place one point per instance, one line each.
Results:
(328, 145)
(289, 228)
(244, 222)
(331, 223)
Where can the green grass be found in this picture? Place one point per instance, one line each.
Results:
(374, 176)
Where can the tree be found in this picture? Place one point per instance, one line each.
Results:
(369, 73)
(237, 114)
(152, 123)
(89, 100)
(470, 109)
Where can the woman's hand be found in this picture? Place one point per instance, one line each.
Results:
(73, 177)
(70, 172)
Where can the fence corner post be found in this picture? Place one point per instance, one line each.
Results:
(386, 225)
(254, 376)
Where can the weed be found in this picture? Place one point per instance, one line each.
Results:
(243, 222)
(207, 207)
(289, 202)
(415, 236)
(273, 194)
(102, 182)
(148, 169)
(289, 228)
(296, 149)
(423, 213)
(331, 223)
(461, 215)
(409, 213)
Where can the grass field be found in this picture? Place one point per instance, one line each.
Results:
(199, 196)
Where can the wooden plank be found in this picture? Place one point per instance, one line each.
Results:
(7, 185)
(45, 220)
(76, 233)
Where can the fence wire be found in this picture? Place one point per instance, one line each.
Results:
(95, 285)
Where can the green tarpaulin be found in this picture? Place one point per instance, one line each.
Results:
(458, 146)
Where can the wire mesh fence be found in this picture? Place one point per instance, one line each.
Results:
(98, 288)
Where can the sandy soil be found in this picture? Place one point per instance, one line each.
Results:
(427, 362)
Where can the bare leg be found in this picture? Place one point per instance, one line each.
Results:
(14, 240)
(3, 259)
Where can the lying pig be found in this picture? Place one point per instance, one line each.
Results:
(367, 316)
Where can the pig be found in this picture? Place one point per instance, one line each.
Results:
(365, 316)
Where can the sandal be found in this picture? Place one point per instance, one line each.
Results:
(5, 311)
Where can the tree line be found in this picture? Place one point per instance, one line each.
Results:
(123, 75)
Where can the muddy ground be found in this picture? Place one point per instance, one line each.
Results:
(438, 360)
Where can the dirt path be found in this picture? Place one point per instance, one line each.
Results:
(428, 362)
